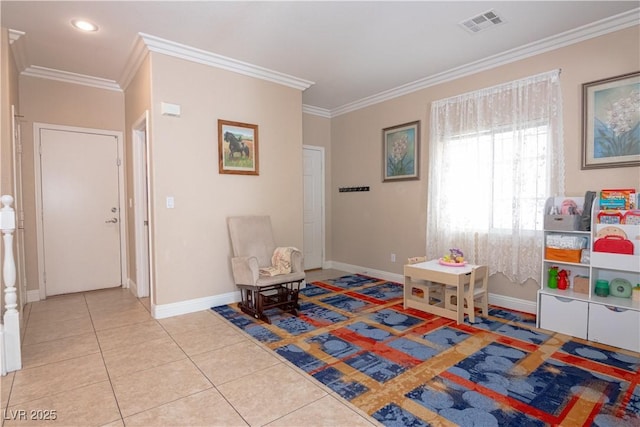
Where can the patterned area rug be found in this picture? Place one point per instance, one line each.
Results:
(408, 368)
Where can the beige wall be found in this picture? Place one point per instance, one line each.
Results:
(54, 102)
(391, 218)
(137, 101)
(8, 97)
(192, 249)
(316, 131)
(191, 241)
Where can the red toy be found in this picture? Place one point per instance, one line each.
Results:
(563, 283)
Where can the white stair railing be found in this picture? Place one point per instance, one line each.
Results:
(10, 355)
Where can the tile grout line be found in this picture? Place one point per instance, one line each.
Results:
(104, 363)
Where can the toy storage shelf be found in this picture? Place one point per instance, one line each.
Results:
(608, 320)
(615, 261)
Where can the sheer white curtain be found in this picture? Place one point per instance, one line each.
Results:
(495, 155)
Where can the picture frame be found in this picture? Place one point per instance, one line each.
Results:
(611, 122)
(238, 148)
(401, 152)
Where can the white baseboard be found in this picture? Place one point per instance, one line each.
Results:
(33, 296)
(162, 311)
(133, 287)
(183, 307)
(356, 269)
(511, 303)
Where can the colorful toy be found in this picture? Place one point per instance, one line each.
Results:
(455, 256)
(563, 282)
(553, 277)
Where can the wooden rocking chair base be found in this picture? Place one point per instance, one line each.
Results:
(258, 299)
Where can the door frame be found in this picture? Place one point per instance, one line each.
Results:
(37, 127)
(16, 137)
(141, 180)
(322, 196)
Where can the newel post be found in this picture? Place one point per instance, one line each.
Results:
(12, 355)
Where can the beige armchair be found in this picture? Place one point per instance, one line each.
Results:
(253, 247)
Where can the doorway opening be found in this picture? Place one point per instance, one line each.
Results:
(141, 207)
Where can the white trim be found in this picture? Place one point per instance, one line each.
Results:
(147, 43)
(136, 58)
(19, 49)
(33, 295)
(316, 111)
(132, 285)
(140, 150)
(67, 77)
(511, 303)
(162, 311)
(356, 269)
(37, 127)
(178, 50)
(322, 196)
(15, 35)
(17, 159)
(576, 35)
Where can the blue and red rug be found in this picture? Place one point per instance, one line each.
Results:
(408, 368)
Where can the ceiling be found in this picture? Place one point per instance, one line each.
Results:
(351, 51)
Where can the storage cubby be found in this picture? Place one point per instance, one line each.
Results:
(609, 320)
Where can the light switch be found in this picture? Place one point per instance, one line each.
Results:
(170, 202)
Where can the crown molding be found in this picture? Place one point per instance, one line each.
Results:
(67, 77)
(15, 35)
(598, 28)
(156, 44)
(18, 48)
(137, 56)
(316, 111)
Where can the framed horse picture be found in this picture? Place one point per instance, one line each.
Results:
(237, 148)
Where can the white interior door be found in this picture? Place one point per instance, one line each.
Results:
(313, 233)
(80, 207)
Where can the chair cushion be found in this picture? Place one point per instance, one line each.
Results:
(281, 278)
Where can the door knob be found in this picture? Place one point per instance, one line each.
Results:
(112, 221)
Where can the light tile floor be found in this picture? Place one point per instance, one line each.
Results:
(99, 358)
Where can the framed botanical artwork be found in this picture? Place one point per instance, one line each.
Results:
(611, 122)
(401, 152)
(237, 148)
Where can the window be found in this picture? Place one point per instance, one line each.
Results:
(495, 156)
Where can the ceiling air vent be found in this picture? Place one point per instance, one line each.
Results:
(482, 22)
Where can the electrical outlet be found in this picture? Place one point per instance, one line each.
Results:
(393, 257)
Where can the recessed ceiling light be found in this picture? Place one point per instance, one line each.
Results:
(84, 25)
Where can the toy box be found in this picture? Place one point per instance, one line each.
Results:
(562, 222)
(564, 255)
(581, 284)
